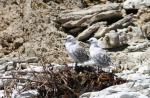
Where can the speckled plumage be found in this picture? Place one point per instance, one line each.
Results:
(98, 55)
(75, 50)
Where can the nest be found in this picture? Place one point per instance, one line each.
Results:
(63, 83)
(69, 83)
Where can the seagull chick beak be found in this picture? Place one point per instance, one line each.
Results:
(88, 41)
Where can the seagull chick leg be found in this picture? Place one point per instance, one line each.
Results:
(99, 69)
(76, 65)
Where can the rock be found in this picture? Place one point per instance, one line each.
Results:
(1, 47)
(146, 92)
(103, 41)
(138, 46)
(6, 66)
(135, 4)
(138, 88)
(122, 36)
(113, 39)
(10, 66)
(134, 35)
(118, 91)
(145, 69)
(136, 77)
(146, 30)
(1, 55)
(29, 50)
(21, 49)
(125, 60)
(143, 16)
(32, 60)
(2, 93)
(136, 31)
(27, 94)
(1, 84)
(18, 42)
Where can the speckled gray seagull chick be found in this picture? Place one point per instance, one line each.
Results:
(75, 50)
(98, 54)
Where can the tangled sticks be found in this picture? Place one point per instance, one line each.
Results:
(63, 82)
(68, 83)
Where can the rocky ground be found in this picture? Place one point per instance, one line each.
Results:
(31, 32)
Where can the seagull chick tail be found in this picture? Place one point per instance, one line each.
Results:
(112, 65)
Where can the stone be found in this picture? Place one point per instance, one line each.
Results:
(2, 94)
(1, 55)
(146, 30)
(10, 66)
(122, 36)
(143, 16)
(114, 92)
(4, 67)
(137, 32)
(137, 46)
(113, 38)
(1, 83)
(32, 60)
(144, 69)
(26, 94)
(103, 41)
(18, 42)
(29, 50)
(135, 4)
(136, 77)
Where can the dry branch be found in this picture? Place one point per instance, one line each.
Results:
(105, 15)
(64, 17)
(119, 24)
(76, 23)
(86, 33)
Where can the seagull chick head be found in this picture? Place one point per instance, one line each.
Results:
(93, 40)
(70, 38)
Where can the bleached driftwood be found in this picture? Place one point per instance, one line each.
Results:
(20, 60)
(86, 33)
(89, 19)
(76, 23)
(105, 15)
(75, 31)
(64, 17)
(119, 24)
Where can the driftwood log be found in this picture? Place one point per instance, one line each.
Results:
(91, 29)
(96, 20)
(119, 24)
(105, 15)
(99, 21)
(75, 15)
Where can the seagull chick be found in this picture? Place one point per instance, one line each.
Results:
(75, 50)
(98, 55)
